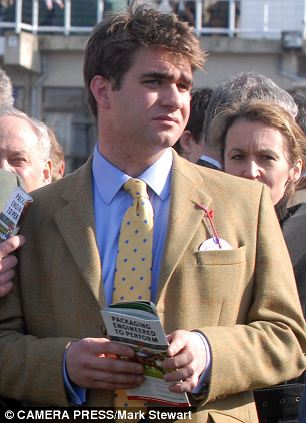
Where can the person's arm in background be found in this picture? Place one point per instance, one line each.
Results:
(8, 261)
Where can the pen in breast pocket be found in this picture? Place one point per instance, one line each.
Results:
(209, 216)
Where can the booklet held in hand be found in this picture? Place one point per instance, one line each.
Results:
(137, 324)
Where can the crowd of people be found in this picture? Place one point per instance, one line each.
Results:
(29, 149)
(227, 260)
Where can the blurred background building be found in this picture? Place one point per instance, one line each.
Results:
(42, 45)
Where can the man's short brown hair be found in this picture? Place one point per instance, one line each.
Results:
(114, 41)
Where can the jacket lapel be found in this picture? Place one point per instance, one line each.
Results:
(184, 217)
(76, 224)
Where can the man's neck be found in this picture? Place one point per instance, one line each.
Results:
(131, 163)
(211, 153)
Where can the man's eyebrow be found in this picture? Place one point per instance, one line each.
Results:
(158, 75)
(22, 152)
(167, 76)
(17, 150)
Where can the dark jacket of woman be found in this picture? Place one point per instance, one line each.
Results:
(282, 402)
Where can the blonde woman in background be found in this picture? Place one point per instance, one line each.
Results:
(261, 141)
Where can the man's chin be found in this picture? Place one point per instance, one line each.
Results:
(168, 140)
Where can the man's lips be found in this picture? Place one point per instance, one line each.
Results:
(167, 118)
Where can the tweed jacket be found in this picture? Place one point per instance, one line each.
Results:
(244, 300)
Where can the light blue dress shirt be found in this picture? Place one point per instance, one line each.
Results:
(211, 161)
(110, 204)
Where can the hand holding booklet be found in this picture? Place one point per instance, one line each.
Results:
(137, 324)
(12, 211)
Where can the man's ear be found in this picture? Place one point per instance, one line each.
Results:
(100, 87)
(47, 172)
(185, 141)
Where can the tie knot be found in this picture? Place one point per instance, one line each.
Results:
(136, 188)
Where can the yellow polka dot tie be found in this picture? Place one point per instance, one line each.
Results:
(134, 260)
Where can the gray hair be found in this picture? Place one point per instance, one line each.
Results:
(246, 86)
(40, 129)
(6, 90)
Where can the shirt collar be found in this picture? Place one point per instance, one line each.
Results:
(109, 179)
(211, 160)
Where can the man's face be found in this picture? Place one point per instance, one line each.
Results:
(150, 110)
(19, 152)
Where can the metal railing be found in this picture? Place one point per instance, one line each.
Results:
(244, 18)
(34, 16)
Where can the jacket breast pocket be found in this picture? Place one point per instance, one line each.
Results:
(221, 257)
(222, 283)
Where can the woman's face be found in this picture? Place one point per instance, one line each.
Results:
(256, 151)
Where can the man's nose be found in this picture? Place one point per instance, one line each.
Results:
(173, 97)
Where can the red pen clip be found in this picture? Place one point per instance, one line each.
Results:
(209, 216)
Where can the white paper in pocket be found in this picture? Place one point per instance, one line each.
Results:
(210, 244)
